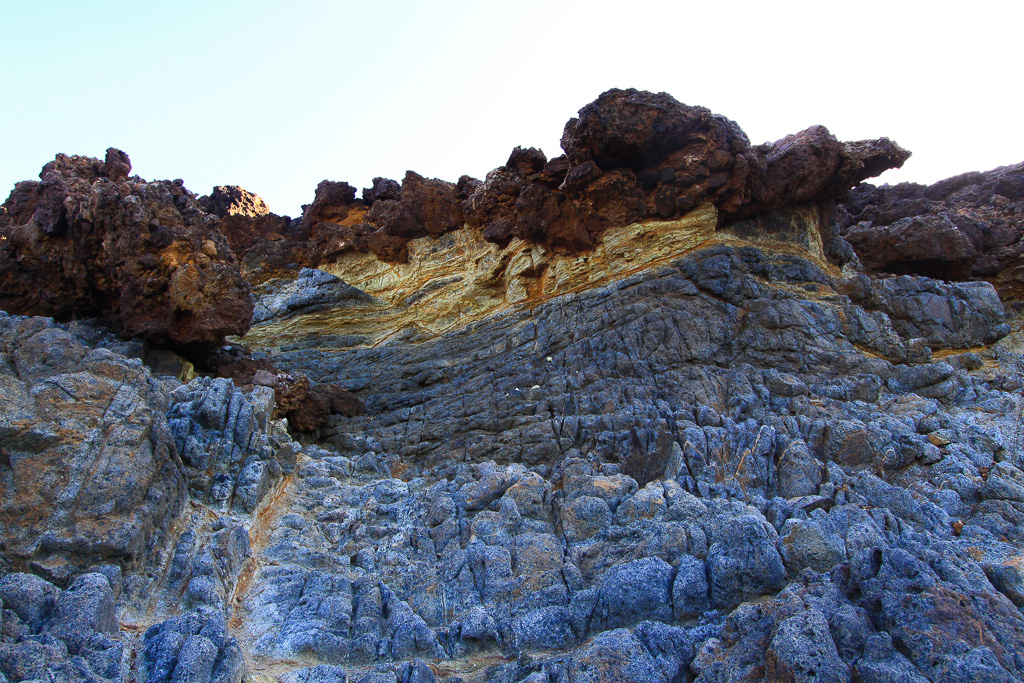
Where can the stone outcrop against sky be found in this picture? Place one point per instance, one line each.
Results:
(668, 408)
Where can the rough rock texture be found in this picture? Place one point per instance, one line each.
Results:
(269, 392)
(89, 470)
(221, 436)
(88, 241)
(231, 200)
(659, 453)
(599, 443)
(630, 156)
(307, 406)
(193, 647)
(69, 635)
(968, 227)
(633, 155)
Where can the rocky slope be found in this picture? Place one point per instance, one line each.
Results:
(669, 408)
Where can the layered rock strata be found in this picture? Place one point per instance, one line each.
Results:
(630, 156)
(708, 445)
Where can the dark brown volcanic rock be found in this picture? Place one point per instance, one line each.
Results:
(312, 408)
(685, 155)
(88, 241)
(383, 188)
(231, 200)
(331, 203)
(633, 155)
(388, 216)
(813, 164)
(640, 130)
(964, 228)
(264, 244)
(305, 405)
(432, 203)
(630, 156)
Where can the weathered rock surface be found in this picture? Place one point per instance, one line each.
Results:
(87, 241)
(51, 634)
(221, 435)
(89, 471)
(633, 155)
(231, 200)
(613, 430)
(193, 647)
(312, 291)
(630, 156)
(968, 227)
(777, 415)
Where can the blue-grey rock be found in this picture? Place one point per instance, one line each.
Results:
(633, 592)
(744, 563)
(802, 650)
(690, 589)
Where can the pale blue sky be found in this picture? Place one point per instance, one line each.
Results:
(276, 96)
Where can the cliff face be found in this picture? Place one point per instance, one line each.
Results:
(603, 436)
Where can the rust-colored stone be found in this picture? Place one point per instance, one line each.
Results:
(89, 241)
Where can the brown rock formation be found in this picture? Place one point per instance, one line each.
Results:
(964, 228)
(264, 244)
(308, 406)
(630, 156)
(231, 200)
(635, 155)
(305, 405)
(89, 241)
(684, 155)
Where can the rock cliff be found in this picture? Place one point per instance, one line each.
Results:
(669, 408)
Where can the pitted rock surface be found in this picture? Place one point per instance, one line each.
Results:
(638, 413)
(89, 241)
(659, 453)
(90, 472)
(964, 228)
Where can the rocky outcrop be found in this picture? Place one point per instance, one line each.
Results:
(67, 635)
(90, 473)
(631, 156)
(231, 200)
(635, 414)
(306, 405)
(635, 155)
(964, 228)
(87, 241)
(195, 646)
(312, 291)
(221, 435)
(615, 480)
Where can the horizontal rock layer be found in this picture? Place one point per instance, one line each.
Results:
(639, 413)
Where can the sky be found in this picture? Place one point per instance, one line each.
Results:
(277, 96)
